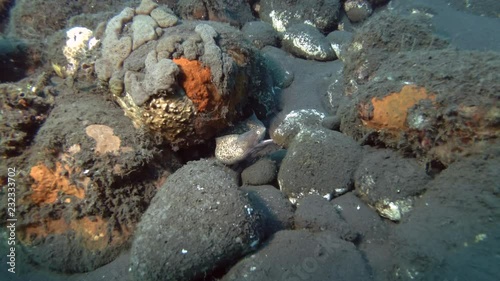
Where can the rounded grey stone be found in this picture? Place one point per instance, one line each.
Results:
(198, 222)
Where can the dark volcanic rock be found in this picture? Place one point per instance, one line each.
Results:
(294, 122)
(305, 41)
(89, 176)
(197, 222)
(323, 14)
(407, 91)
(452, 233)
(340, 41)
(361, 218)
(261, 34)
(275, 210)
(331, 122)
(387, 181)
(302, 255)
(319, 161)
(235, 12)
(261, 172)
(316, 214)
(357, 10)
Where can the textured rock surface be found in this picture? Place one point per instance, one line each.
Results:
(452, 229)
(261, 34)
(305, 41)
(374, 233)
(282, 76)
(319, 161)
(426, 108)
(275, 209)
(22, 114)
(212, 74)
(294, 123)
(261, 172)
(340, 41)
(362, 219)
(234, 12)
(281, 14)
(389, 182)
(302, 255)
(88, 180)
(197, 223)
(315, 213)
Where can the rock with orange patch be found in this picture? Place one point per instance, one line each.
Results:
(390, 112)
(94, 238)
(190, 83)
(196, 81)
(412, 94)
(51, 184)
(87, 178)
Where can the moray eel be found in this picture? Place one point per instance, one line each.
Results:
(233, 148)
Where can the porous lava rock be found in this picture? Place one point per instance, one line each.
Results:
(186, 81)
(261, 34)
(302, 255)
(323, 14)
(88, 178)
(294, 122)
(275, 209)
(234, 12)
(319, 161)
(259, 173)
(23, 110)
(197, 223)
(361, 218)
(389, 182)
(452, 230)
(316, 213)
(373, 232)
(305, 41)
(406, 91)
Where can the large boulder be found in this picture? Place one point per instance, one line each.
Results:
(319, 161)
(234, 12)
(275, 209)
(89, 177)
(302, 255)
(198, 222)
(407, 91)
(305, 41)
(323, 14)
(452, 232)
(261, 34)
(389, 182)
(185, 81)
(315, 213)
